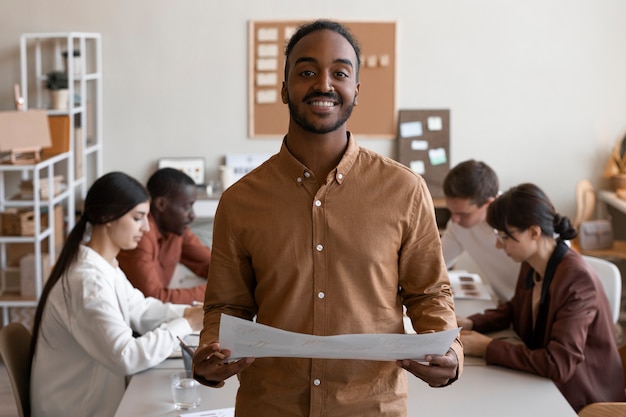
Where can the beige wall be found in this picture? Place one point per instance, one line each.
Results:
(537, 89)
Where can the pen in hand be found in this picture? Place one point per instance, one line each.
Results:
(192, 351)
(185, 346)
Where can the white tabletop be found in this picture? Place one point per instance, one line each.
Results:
(481, 391)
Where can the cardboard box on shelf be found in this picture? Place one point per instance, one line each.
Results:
(15, 251)
(27, 190)
(22, 222)
(18, 222)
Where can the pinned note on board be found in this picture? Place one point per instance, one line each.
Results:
(435, 123)
(411, 129)
(437, 156)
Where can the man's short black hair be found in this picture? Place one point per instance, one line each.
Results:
(166, 182)
(322, 24)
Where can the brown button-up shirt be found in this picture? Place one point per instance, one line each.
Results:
(337, 259)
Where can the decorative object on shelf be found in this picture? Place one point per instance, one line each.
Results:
(19, 100)
(23, 134)
(595, 234)
(57, 83)
(75, 61)
(615, 169)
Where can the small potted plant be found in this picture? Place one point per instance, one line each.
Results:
(616, 166)
(57, 84)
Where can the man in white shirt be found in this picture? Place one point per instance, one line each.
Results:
(469, 189)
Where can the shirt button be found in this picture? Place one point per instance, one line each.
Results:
(340, 176)
(318, 203)
(320, 294)
(299, 179)
(319, 248)
(307, 174)
(316, 382)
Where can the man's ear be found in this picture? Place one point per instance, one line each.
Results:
(159, 203)
(283, 93)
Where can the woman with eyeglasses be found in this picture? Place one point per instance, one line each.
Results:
(559, 310)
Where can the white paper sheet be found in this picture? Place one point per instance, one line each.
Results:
(468, 285)
(247, 339)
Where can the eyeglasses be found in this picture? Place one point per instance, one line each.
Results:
(502, 237)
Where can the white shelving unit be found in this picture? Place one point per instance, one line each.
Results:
(80, 165)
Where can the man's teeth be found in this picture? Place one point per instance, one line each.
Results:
(323, 103)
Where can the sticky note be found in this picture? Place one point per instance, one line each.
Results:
(419, 145)
(267, 35)
(267, 50)
(266, 64)
(437, 156)
(434, 123)
(266, 79)
(266, 96)
(289, 31)
(410, 129)
(417, 167)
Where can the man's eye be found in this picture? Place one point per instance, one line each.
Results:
(307, 73)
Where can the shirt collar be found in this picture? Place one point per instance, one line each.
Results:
(300, 173)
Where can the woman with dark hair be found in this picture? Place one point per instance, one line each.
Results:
(559, 309)
(83, 343)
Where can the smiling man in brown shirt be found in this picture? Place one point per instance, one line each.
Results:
(326, 238)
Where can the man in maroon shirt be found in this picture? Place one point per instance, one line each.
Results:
(169, 242)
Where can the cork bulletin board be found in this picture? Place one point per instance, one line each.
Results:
(374, 115)
(424, 145)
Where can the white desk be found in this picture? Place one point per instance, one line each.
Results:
(481, 390)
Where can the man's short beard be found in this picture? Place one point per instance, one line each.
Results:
(320, 130)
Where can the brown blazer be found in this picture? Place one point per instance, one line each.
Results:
(574, 340)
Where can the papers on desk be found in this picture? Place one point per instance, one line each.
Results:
(467, 285)
(247, 339)
(222, 412)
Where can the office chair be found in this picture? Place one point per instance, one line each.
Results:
(611, 280)
(586, 210)
(603, 410)
(14, 351)
(622, 355)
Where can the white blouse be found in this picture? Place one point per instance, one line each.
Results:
(86, 346)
